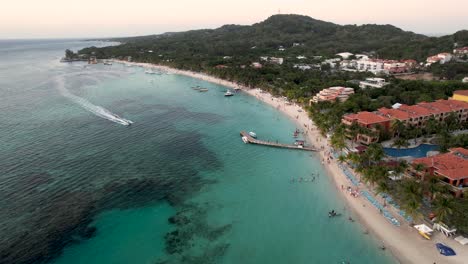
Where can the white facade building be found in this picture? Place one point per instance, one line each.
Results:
(371, 65)
(345, 55)
(372, 83)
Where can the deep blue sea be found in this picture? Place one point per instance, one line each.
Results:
(177, 186)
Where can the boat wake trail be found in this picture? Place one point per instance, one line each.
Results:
(95, 109)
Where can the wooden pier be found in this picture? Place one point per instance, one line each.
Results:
(252, 140)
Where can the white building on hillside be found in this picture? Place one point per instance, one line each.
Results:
(465, 80)
(276, 60)
(440, 58)
(372, 83)
(345, 55)
(375, 66)
(302, 67)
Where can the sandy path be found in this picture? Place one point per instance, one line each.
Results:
(404, 241)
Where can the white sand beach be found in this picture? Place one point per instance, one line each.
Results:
(404, 241)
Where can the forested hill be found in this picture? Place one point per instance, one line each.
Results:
(317, 38)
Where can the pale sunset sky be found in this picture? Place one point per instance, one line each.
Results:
(109, 18)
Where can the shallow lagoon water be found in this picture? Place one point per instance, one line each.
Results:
(183, 155)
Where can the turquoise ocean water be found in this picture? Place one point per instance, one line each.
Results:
(177, 186)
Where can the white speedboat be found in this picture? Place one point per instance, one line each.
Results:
(245, 139)
(252, 134)
(228, 93)
(107, 63)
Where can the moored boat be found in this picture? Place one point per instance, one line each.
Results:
(245, 139)
(252, 134)
(228, 93)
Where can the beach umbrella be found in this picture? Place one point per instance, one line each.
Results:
(445, 250)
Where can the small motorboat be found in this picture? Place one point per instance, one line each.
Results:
(228, 93)
(245, 139)
(445, 250)
(150, 72)
(252, 134)
(107, 63)
(201, 90)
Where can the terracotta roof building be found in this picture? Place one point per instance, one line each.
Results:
(451, 168)
(414, 115)
(369, 120)
(332, 94)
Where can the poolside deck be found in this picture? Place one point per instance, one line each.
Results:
(252, 140)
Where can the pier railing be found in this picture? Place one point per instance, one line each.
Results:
(252, 140)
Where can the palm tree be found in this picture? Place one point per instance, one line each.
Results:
(410, 194)
(375, 153)
(411, 208)
(383, 186)
(342, 158)
(432, 186)
(452, 121)
(419, 167)
(400, 142)
(338, 138)
(397, 127)
(354, 131)
(431, 126)
(443, 207)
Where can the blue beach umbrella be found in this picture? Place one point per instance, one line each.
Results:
(445, 250)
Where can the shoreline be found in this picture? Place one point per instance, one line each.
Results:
(403, 242)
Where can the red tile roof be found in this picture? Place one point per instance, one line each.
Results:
(367, 118)
(415, 110)
(461, 92)
(394, 114)
(453, 165)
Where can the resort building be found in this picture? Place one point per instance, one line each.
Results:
(368, 120)
(451, 168)
(460, 51)
(461, 95)
(375, 66)
(465, 80)
(332, 94)
(395, 67)
(372, 83)
(414, 115)
(378, 66)
(439, 58)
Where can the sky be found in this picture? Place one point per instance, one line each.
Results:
(113, 18)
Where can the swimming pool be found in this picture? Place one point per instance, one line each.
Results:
(417, 152)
